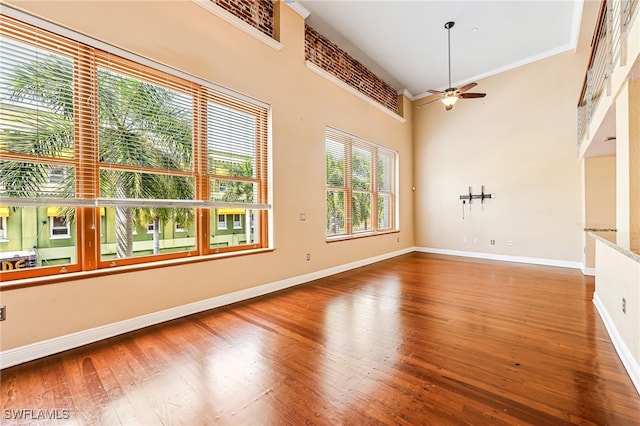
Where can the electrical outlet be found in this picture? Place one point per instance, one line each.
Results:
(398, 239)
(510, 242)
(493, 242)
(624, 305)
(3, 313)
(308, 256)
(464, 239)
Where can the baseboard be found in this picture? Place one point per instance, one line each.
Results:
(55, 345)
(589, 271)
(629, 362)
(503, 258)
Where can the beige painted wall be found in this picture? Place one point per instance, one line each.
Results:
(520, 142)
(600, 199)
(618, 277)
(185, 36)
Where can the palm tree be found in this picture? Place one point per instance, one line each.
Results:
(237, 190)
(45, 86)
(335, 199)
(140, 124)
(361, 181)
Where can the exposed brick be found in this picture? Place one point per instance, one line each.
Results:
(257, 13)
(328, 56)
(319, 50)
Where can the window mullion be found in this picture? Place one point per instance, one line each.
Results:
(203, 216)
(86, 155)
(374, 189)
(348, 188)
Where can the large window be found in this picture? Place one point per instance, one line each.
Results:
(133, 160)
(360, 186)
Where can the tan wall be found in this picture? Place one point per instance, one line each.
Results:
(618, 277)
(600, 199)
(187, 37)
(520, 142)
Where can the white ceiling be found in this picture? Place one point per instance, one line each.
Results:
(405, 43)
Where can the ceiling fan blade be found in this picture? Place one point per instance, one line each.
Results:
(430, 102)
(448, 107)
(472, 95)
(435, 92)
(467, 87)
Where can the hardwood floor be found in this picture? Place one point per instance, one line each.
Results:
(418, 339)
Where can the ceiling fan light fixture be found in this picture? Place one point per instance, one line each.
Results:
(450, 100)
(450, 96)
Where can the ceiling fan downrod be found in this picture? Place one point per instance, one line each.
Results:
(448, 27)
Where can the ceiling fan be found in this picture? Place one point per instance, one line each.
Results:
(451, 95)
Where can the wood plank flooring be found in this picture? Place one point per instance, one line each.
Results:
(418, 339)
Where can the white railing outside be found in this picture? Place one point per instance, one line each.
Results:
(616, 16)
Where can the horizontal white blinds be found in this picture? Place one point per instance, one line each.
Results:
(236, 149)
(37, 112)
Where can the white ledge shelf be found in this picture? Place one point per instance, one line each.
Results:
(335, 80)
(238, 23)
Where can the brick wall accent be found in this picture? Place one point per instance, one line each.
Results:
(328, 56)
(257, 13)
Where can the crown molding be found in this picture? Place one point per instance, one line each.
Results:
(300, 9)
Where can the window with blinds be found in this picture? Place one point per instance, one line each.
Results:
(108, 161)
(360, 186)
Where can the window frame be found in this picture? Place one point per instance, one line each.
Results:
(351, 186)
(87, 200)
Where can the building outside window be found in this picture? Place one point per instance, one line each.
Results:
(3, 228)
(222, 221)
(59, 227)
(237, 221)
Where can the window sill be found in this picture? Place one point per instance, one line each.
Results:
(358, 236)
(60, 237)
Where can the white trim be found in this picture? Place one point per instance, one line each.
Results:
(589, 271)
(335, 80)
(629, 362)
(575, 23)
(407, 93)
(238, 23)
(298, 8)
(44, 348)
(543, 55)
(503, 257)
